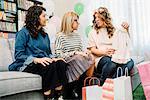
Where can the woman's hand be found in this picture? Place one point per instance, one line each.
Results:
(44, 61)
(109, 52)
(88, 52)
(56, 59)
(81, 53)
(125, 25)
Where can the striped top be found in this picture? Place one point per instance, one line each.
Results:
(67, 45)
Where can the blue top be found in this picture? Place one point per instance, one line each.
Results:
(27, 48)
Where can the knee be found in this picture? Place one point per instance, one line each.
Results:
(106, 59)
(60, 61)
(61, 64)
(113, 65)
(130, 64)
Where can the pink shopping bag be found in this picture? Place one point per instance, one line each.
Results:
(144, 72)
(108, 90)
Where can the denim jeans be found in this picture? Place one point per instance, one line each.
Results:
(129, 65)
(105, 68)
(108, 69)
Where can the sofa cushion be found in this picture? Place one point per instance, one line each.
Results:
(5, 54)
(11, 42)
(15, 82)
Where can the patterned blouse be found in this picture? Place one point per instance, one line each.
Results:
(67, 44)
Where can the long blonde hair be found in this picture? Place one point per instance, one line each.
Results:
(105, 15)
(67, 21)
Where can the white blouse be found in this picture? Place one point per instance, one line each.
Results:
(102, 42)
(99, 40)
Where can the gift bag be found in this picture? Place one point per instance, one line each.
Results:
(91, 92)
(118, 88)
(144, 72)
(108, 90)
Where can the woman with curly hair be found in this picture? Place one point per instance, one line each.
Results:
(101, 44)
(33, 53)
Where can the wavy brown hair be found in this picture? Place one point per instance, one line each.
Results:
(32, 20)
(105, 15)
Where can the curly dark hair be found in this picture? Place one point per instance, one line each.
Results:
(105, 15)
(32, 20)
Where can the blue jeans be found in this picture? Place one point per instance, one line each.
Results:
(108, 69)
(105, 68)
(128, 65)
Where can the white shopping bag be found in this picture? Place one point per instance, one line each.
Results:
(91, 92)
(122, 87)
(118, 88)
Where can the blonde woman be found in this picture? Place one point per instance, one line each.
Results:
(69, 46)
(100, 44)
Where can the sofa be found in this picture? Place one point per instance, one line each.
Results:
(26, 86)
(15, 85)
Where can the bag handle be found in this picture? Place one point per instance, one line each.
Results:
(86, 80)
(91, 78)
(118, 71)
(126, 71)
(94, 78)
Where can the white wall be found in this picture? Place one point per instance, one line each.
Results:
(63, 6)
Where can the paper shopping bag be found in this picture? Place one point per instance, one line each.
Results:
(117, 89)
(91, 92)
(122, 88)
(108, 90)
